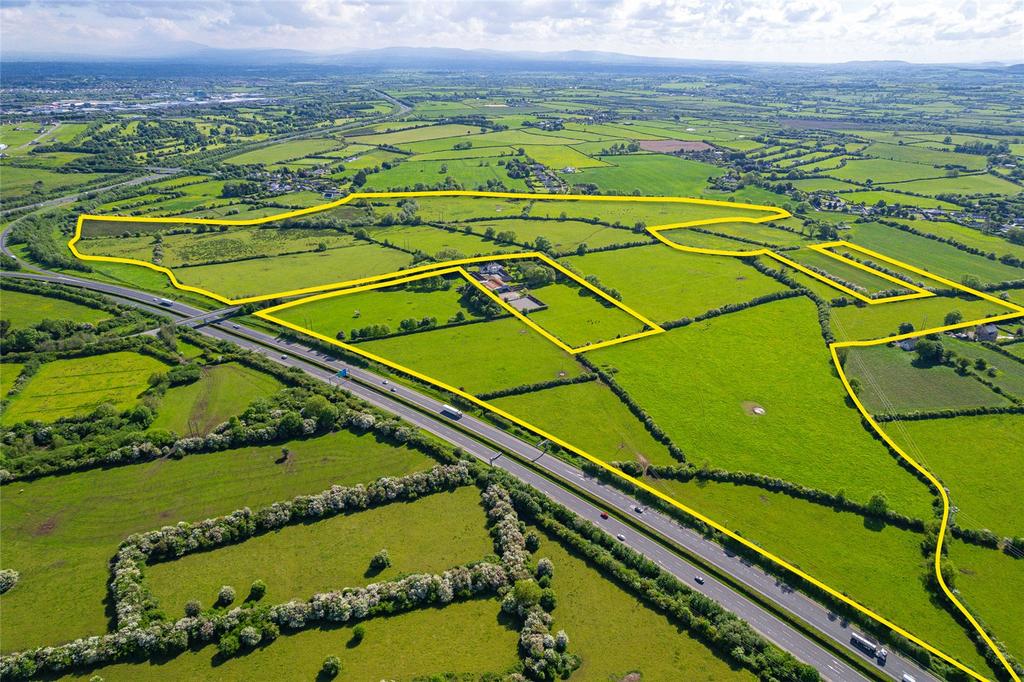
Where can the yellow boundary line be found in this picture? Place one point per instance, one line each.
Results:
(432, 270)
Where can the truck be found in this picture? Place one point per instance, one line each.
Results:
(449, 411)
(167, 302)
(863, 643)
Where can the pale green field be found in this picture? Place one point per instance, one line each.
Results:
(579, 320)
(25, 310)
(988, 581)
(222, 392)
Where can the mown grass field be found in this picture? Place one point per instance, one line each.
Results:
(884, 170)
(60, 532)
(664, 284)
(702, 240)
(429, 535)
(986, 488)
(470, 173)
(20, 181)
(466, 639)
(433, 132)
(66, 388)
(432, 240)
(578, 317)
(845, 272)
(883, 319)
(1009, 373)
(986, 579)
(984, 183)
(479, 357)
(873, 197)
(965, 235)
(223, 391)
(25, 310)
(616, 635)
(345, 312)
(564, 235)
(604, 427)
(284, 273)
(659, 175)
(9, 372)
(284, 151)
(894, 381)
(930, 255)
(700, 383)
(879, 567)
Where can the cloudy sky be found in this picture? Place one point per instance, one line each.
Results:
(749, 30)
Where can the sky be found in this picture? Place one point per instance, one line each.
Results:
(740, 30)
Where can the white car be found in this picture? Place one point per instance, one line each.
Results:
(621, 537)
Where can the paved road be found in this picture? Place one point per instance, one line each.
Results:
(403, 401)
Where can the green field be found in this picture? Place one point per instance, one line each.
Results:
(433, 240)
(345, 312)
(463, 638)
(872, 198)
(470, 173)
(986, 491)
(430, 535)
(894, 381)
(987, 580)
(285, 273)
(966, 235)
(564, 235)
(605, 427)
(61, 532)
(558, 158)
(883, 170)
(984, 183)
(845, 272)
(479, 358)
(700, 383)
(577, 317)
(284, 151)
(67, 388)
(418, 134)
(9, 372)
(222, 392)
(924, 155)
(1009, 373)
(19, 182)
(615, 634)
(664, 284)
(25, 310)
(883, 319)
(881, 568)
(658, 175)
(930, 255)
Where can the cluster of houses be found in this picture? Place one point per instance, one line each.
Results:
(496, 279)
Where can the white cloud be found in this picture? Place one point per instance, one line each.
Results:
(763, 30)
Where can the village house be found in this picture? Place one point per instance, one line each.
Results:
(986, 332)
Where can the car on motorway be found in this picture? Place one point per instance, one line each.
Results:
(284, 357)
(638, 509)
(621, 537)
(235, 326)
(907, 677)
(699, 579)
(604, 515)
(881, 655)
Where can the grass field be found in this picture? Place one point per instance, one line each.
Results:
(380, 306)
(20, 181)
(892, 381)
(700, 383)
(930, 255)
(875, 321)
(845, 272)
(284, 151)
(664, 284)
(984, 183)
(578, 317)
(987, 580)
(605, 427)
(966, 235)
(890, 198)
(9, 372)
(463, 638)
(564, 235)
(821, 184)
(434, 132)
(66, 388)
(760, 232)
(470, 173)
(659, 175)
(701, 240)
(284, 273)
(986, 490)
(884, 170)
(25, 310)
(61, 531)
(222, 392)
(429, 535)
(479, 357)
(559, 157)
(1009, 374)
(924, 155)
(432, 240)
(621, 635)
(880, 568)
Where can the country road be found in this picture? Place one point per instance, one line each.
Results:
(557, 479)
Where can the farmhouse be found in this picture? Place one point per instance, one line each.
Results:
(908, 344)
(986, 332)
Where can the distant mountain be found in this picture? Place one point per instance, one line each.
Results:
(185, 52)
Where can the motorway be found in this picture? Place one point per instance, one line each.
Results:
(510, 455)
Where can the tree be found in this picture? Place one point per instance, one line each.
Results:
(193, 608)
(360, 178)
(331, 667)
(906, 327)
(972, 281)
(358, 633)
(226, 595)
(257, 590)
(953, 317)
(249, 636)
(527, 593)
(545, 568)
(380, 561)
(929, 351)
